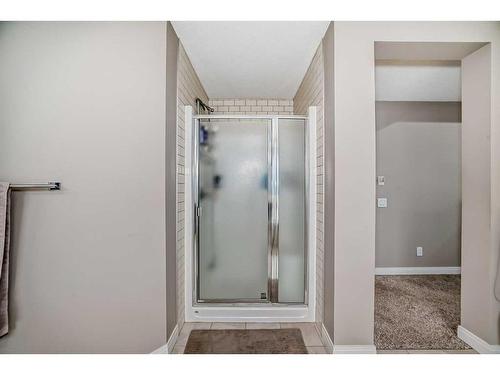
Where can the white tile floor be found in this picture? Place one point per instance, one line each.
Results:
(310, 333)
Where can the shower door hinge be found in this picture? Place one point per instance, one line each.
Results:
(198, 211)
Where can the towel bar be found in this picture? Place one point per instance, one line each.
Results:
(46, 186)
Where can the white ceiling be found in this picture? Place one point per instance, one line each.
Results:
(424, 50)
(428, 82)
(420, 71)
(250, 59)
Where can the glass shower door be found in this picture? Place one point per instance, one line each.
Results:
(291, 178)
(233, 179)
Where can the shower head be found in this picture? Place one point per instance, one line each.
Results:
(201, 105)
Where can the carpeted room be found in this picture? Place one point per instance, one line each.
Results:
(418, 312)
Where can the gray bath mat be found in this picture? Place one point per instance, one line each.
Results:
(246, 341)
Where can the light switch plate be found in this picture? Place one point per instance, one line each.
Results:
(381, 202)
(380, 180)
(420, 251)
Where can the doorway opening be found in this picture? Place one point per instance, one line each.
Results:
(250, 207)
(419, 195)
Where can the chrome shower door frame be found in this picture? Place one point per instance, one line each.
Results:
(272, 211)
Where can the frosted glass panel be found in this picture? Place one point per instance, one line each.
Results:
(232, 191)
(291, 210)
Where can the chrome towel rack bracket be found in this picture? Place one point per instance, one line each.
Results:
(44, 186)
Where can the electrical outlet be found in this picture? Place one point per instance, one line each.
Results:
(420, 251)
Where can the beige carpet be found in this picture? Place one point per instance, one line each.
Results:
(246, 341)
(417, 312)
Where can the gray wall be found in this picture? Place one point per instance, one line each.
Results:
(355, 166)
(480, 313)
(170, 181)
(418, 152)
(84, 103)
(354, 187)
(329, 175)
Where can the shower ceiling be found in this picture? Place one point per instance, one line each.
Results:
(250, 59)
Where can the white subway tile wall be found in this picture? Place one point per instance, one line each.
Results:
(310, 93)
(252, 106)
(189, 88)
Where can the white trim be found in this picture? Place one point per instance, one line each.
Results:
(251, 312)
(161, 350)
(169, 346)
(477, 343)
(354, 349)
(311, 220)
(172, 340)
(417, 271)
(260, 117)
(326, 339)
(188, 212)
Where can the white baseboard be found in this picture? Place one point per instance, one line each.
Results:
(161, 350)
(354, 349)
(173, 338)
(417, 271)
(169, 346)
(477, 343)
(344, 349)
(326, 339)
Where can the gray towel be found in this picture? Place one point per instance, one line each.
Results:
(4, 257)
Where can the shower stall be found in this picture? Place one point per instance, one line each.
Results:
(248, 256)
